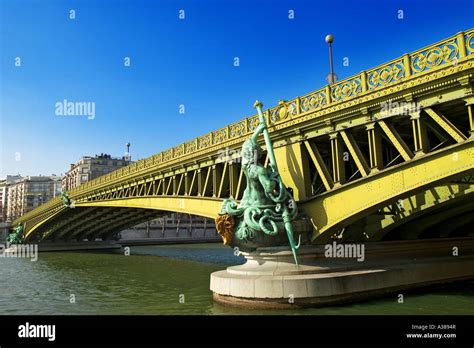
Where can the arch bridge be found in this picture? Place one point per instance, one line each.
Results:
(385, 154)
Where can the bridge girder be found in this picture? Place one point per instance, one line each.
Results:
(450, 197)
(338, 208)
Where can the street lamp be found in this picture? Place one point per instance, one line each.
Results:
(332, 77)
(127, 154)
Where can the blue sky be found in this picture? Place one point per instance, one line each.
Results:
(174, 62)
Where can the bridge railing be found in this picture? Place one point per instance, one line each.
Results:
(448, 51)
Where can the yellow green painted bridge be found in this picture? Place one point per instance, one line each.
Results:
(385, 154)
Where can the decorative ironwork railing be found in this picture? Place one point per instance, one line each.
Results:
(448, 51)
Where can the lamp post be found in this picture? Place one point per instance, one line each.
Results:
(127, 154)
(331, 78)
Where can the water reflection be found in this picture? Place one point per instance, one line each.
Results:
(152, 279)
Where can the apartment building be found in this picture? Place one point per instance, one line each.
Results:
(4, 186)
(89, 168)
(27, 193)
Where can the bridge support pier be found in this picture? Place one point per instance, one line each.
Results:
(270, 279)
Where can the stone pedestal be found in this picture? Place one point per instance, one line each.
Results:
(270, 279)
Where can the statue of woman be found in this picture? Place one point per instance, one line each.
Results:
(266, 209)
(259, 184)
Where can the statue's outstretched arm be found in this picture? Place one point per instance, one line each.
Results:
(260, 128)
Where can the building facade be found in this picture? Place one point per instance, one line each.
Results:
(4, 187)
(89, 168)
(27, 193)
(3, 200)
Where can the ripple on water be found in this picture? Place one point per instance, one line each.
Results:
(153, 279)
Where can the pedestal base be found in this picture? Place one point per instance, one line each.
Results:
(270, 279)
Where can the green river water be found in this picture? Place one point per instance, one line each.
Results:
(153, 280)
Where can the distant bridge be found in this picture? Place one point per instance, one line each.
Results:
(389, 147)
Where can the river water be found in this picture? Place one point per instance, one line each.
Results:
(171, 279)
